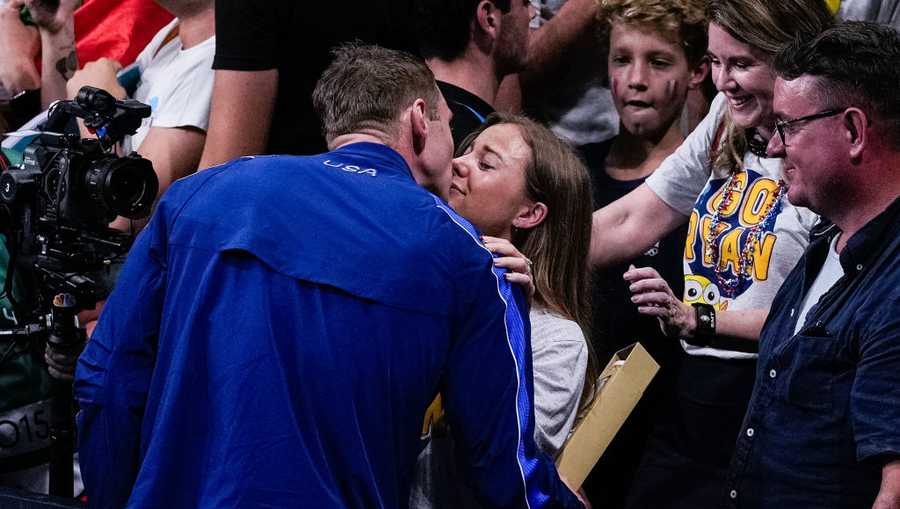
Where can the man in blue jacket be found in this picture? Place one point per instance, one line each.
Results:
(283, 322)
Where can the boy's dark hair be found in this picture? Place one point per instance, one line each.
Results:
(858, 64)
(366, 87)
(684, 18)
(443, 27)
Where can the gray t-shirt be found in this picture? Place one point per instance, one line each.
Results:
(559, 361)
(686, 182)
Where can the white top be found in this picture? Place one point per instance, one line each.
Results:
(559, 359)
(830, 272)
(686, 182)
(176, 83)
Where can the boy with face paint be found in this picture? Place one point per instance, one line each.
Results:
(656, 55)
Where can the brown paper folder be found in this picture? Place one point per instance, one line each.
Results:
(618, 390)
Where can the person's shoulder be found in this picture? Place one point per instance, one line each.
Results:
(166, 37)
(551, 327)
(235, 175)
(454, 231)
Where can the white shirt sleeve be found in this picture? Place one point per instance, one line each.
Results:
(681, 177)
(559, 361)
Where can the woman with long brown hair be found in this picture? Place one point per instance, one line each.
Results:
(529, 195)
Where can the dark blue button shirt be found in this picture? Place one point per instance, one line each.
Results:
(825, 412)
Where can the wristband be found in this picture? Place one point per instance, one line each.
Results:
(705, 330)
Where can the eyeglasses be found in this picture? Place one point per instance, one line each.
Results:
(783, 125)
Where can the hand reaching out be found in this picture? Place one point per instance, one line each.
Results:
(653, 297)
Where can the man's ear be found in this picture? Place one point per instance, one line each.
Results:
(418, 120)
(699, 73)
(856, 123)
(531, 215)
(487, 19)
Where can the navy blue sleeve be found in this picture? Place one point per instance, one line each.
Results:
(114, 371)
(874, 400)
(489, 398)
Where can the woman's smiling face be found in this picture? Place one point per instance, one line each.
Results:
(488, 186)
(742, 72)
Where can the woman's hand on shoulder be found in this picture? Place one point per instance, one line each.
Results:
(517, 265)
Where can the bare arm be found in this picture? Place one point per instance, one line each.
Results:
(548, 48)
(889, 494)
(174, 152)
(653, 297)
(19, 45)
(548, 44)
(241, 114)
(627, 227)
(58, 62)
(743, 324)
(58, 58)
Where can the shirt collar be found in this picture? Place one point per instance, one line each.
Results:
(386, 158)
(868, 242)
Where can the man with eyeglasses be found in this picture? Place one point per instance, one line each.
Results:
(823, 425)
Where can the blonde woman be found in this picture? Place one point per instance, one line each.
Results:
(743, 239)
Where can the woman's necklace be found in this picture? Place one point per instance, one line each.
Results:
(756, 144)
(728, 286)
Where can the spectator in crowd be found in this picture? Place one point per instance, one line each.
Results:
(175, 78)
(270, 54)
(562, 84)
(821, 429)
(60, 47)
(173, 74)
(529, 194)
(743, 239)
(312, 367)
(116, 29)
(657, 54)
(470, 45)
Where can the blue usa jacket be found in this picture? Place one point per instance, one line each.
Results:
(278, 331)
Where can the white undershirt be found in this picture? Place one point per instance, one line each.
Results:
(829, 274)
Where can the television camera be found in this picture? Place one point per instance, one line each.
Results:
(55, 208)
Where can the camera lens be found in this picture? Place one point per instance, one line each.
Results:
(126, 186)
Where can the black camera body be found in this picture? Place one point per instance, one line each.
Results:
(62, 197)
(77, 182)
(56, 207)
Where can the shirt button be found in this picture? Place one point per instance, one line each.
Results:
(792, 312)
(733, 494)
(750, 432)
(772, 373)
(859, 267)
